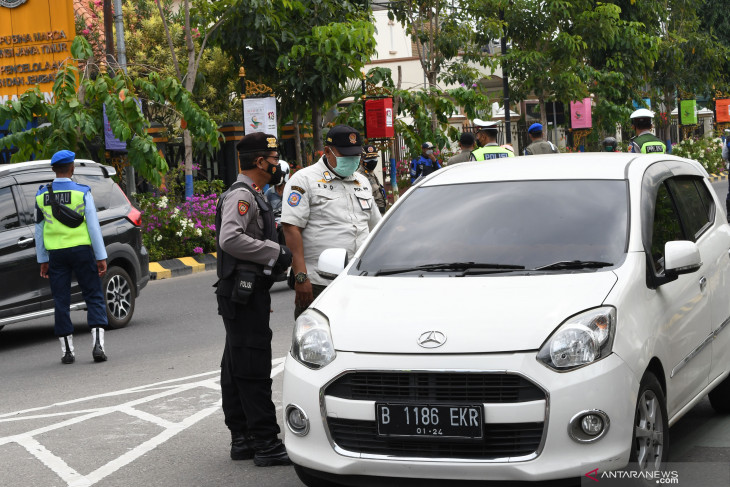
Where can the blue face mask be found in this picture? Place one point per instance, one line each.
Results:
(346, 165)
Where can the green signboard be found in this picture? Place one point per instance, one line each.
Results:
(688, 112)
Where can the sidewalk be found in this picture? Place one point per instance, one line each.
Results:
(182, 266)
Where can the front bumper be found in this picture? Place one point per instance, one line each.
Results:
(608, 385)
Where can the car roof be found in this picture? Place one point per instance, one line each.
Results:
(45, 164)
(583, 165)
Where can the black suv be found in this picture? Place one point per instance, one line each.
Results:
(24, 294)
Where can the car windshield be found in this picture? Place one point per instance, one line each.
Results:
(502, 228)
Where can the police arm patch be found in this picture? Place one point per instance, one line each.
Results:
(294, 199)
(243, 207)
(297, 188)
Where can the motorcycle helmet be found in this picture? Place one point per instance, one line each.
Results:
(609, 144)
(285, 169)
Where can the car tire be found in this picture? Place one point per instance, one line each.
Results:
(119, 295)
(720, 397)
(312, 480)
(650, 435)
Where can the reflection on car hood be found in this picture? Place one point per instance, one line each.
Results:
(476, 314)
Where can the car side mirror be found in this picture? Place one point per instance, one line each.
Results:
(681, 257)
(331, 263)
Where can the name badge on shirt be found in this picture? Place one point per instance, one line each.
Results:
(365, 204)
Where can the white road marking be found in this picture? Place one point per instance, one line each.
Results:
(159, 390)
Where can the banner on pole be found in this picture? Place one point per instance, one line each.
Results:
(260, 115)
(688, 112)
(722, 110)
(580, 114)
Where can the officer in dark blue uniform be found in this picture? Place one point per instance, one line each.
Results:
(425, 164)
(68, 240)
(249, 258)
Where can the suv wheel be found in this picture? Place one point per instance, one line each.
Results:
(119, 297)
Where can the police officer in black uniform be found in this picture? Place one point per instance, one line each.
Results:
(249, 257)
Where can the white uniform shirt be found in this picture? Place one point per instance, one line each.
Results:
(332, 212)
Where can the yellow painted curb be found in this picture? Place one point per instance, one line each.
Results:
(159, 271)
(192, 263)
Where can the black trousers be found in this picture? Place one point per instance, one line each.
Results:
(246, 366)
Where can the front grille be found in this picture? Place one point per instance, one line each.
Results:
(500, 441)
(435, 386)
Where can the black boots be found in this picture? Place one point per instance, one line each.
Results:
(269, 453)
(67, 348)
(241, 446)
(97, 336)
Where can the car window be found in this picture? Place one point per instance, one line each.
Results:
(693, 209)
(29, 191)
(522, 223)
(8, 210)
(666, 226)
(101, 189)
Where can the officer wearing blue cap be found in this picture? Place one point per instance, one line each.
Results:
(538, 146)
(68, 240)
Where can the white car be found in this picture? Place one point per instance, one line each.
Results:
(532, 319)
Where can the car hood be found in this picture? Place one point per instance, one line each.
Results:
(475, 314)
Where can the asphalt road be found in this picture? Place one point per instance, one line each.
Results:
(151, 415)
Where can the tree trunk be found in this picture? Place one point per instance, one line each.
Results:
(297, 139)
(432, 88)
(543, 116)
(393, 146)
(317, 127)
(108, 33)
(189, 85)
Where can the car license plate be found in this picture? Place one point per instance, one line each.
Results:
(429, 420)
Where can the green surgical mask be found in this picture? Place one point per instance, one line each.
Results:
(346, 165)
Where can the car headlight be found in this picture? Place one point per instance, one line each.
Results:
(311, 341)
(582, 339)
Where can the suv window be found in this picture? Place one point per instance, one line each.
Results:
(666, 227)
(101, 189)
(693, 209)
(8, 211)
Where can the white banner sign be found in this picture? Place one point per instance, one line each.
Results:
(260, 115)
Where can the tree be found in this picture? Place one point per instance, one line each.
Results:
(75, 116)
(295, 47)
(552, 43)
(445, 40)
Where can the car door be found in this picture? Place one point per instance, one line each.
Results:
(698, 208)
(19, 271)
(682, 304)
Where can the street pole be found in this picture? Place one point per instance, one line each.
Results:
(505, 88)
(108, 32)
(129, 178)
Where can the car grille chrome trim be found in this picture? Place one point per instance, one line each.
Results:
(501, 459)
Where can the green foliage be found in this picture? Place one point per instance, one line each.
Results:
(706, 150)
(75, 116)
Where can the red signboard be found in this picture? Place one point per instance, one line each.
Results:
(722, 110)
(379, 118)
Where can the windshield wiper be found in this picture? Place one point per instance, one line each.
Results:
(574, 264)
(453, 266)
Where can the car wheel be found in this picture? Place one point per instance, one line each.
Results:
(720, 397)
(650, 442)
(119, 297)
(311, 480)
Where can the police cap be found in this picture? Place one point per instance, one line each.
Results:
(258, 142)
(345, 139)
(369, 151)
(535, 128)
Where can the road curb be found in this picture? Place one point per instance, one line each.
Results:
(718, 177)
(183, 266)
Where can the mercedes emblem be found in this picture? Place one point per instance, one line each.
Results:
(431, 339)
